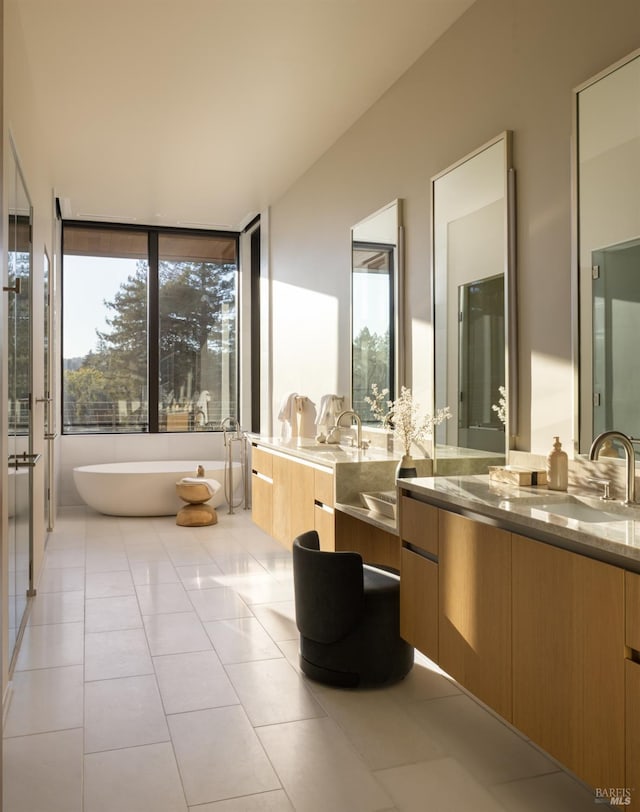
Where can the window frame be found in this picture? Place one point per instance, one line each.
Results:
(153, 321)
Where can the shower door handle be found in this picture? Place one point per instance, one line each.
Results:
(15, 288)
(23, 460)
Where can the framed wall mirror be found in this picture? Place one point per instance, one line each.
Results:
(377, 355)
(607, 239)
(474, 305)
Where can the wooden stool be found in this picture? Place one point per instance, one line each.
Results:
(195, 513)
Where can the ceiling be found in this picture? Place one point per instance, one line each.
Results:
(201, 113)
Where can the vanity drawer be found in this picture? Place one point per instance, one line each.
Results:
(419, 524)
(261, 462)
(323, 487)
(632, 610)
(419, 602)
(262, 502)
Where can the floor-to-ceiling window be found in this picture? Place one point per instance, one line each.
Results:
(149, 329)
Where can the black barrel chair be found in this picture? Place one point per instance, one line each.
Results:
(348, 616)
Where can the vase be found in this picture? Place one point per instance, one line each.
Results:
(406, 467)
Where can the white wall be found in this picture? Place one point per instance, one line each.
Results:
(505, 65)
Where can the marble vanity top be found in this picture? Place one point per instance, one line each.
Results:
(577, 520)
(306, 448)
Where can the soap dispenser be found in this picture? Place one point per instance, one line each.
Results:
(557, 467)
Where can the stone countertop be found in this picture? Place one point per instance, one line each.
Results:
(329, 455)
(355, 471)
(530, 511)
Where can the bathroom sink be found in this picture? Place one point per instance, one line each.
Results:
(582, 511)
(383, 502)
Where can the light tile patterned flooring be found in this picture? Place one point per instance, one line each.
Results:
(158, 673)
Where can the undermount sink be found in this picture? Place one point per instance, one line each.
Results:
(383, 502)
(581, 511)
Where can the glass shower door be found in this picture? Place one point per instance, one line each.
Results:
(21, 458)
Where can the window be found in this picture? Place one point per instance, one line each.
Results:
(149, 329)
(372, 309)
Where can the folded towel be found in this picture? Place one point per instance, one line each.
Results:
(212, 485)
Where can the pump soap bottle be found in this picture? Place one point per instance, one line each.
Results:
(557, 467)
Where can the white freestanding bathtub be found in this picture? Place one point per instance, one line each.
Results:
(146, 488)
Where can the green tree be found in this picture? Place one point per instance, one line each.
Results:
(197, 316)
(87, 396)
(122, 352)
(195, 300)
(371, 364)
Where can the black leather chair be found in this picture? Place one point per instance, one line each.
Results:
(348, 616)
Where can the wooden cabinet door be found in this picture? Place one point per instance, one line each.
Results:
(632, 612)
(568, 663)
(475, 608)
(262, 502)
(419, 524)
(419, 602)
(292, 499)
(632, 689)
(261, 461)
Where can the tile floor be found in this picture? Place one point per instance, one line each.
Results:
(158, 673)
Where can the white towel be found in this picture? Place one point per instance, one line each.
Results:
(212, 485)
(306, 416)
(288, 416)
(330, 408)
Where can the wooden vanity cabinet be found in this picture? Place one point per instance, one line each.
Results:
(475, 608)
(568, 663)
(632, 612)
(632, 738)
(536, 632)
(419, 602)
(324, 517)
(262, 489)
(632, 685)
(290, 497)
(293, 499)
(419, 575)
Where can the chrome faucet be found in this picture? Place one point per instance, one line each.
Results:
(352, 414)
(231, 423)
(630, 453)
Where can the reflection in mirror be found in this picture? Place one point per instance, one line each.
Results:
(473, 292)
(376, 273)
(608, 229)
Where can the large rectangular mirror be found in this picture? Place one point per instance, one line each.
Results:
(474, 304)
(607, 130)
(376, 307)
